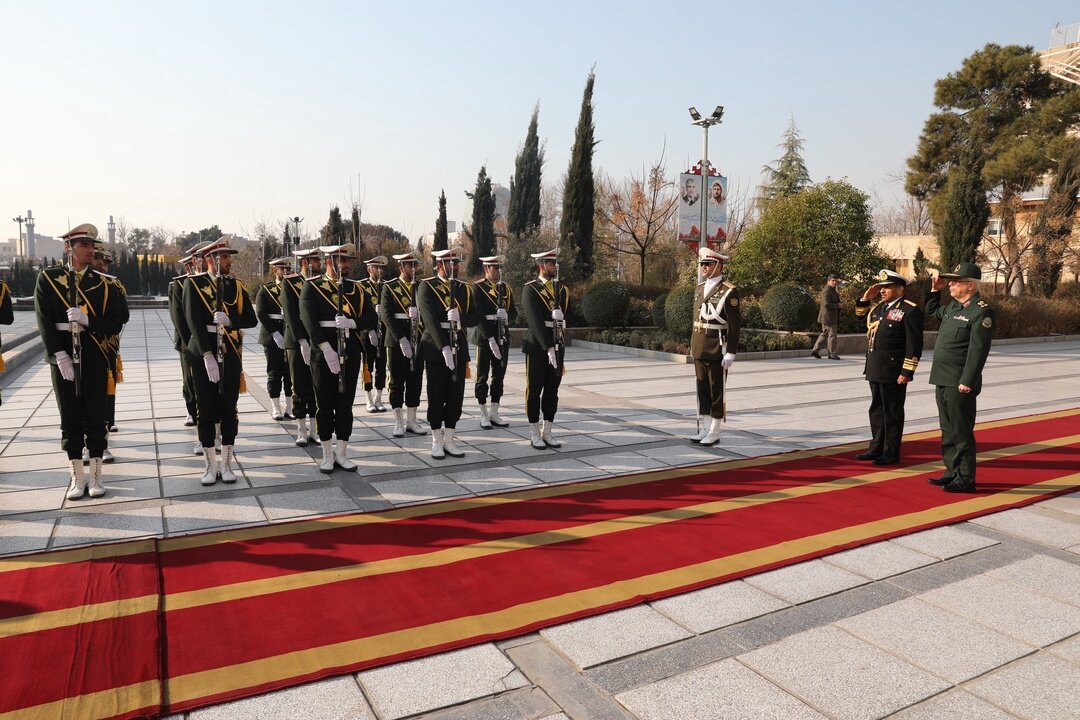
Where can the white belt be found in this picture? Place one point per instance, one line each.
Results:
(549, 323)
(213, 329)
(698, 325)
(491, 317)
(445, 326)
(400, 316)
(327, 324)
(274, 316)
(66, 327)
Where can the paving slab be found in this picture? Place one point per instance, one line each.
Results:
(18, 536)
(312, 501)
(1068, 649)
(805, 581)
(562, 470)
(77, 529)
(1064, 503)
(1042, 686)
(944, 542)
(601, 638)
(622, 463)
(333, 699)
(1033, 526)
(719, 606)
(187, 516)
(879, 560)
(424, 488)
(27, 501)
(956, 704)
(1046, 575)
(492, 479)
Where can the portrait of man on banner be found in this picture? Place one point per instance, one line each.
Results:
(715, 205)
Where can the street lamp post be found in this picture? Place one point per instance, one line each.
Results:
(296, 240)
(705, 122)
(18, 242)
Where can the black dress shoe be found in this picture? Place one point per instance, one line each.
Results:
(886, 460)
(867, 456)
(940, 481)
(834, 357)
(960, 486)
(816, 354)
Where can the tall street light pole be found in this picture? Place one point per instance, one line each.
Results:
(705, 122)
(18, 242)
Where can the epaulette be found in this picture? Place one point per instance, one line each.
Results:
(727, 284)
(908, 302)
(532, 281)
(107, 276)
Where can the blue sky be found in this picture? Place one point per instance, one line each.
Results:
(190, 114)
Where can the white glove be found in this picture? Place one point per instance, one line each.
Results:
(448, 357)
(76, 315)
(557, 314)
(406, 348)
(552, 358)
(213, 374)
(373, 337)
(378, 309)
(452, 315)
(331, 357)
(222, 319)
(344, 323)
(500, 314)
(729, 359)
(279, 340)
(66, 366)
(414, 314)
(494, 345)
(305, 351)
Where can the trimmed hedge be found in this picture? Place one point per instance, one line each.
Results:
(606, 304)
(659, 319)
(679, 311)
(789, 307)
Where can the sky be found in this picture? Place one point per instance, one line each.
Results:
(186, 115)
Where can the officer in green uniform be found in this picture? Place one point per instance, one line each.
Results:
(335, 312)
(494, 306)
(102, 260)
(269, 311)
(714, 342)
(76, 311)
(546, 301)
(401, 329)
(446, 308)
(217, 309)
(7, 316)
(181, 334)
(963, 342)
(298, 345)
(374, 354)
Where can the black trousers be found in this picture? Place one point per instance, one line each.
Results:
(956, 415)
(217, 401)
(541, 388)
(710, 388)
(303, 391)
(277, 371)
(188, 383)
(486, 365)
(445, 395)
(82, 419)
(376, 364)
(405, 383)
(886, 418)
(333, 408)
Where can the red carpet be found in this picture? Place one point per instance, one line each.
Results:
(158, 627)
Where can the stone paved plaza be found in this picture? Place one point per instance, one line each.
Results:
(979, 620)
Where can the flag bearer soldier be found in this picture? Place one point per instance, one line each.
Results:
(495, 305)
(7, 316)
(374, 355)
(102, 260)
(76, 311)
(446, 307)
(401, 327)
(217, 309)
(298, 345)
(269, 311)
(335, 312)
(714, 342)
(546, 301)
(894, 340)
(181, 334)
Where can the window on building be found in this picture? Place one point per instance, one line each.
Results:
(993, 227)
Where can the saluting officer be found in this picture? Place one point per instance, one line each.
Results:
(298, 344)
(76, 310)
(963, 342)
(217, 309)
(401, 328)
(374, 355)
(7, 316)
(894, 341)
(446, 307)
(269, 311)
(102, 260)
(714, 342)
(495, 305)
(335, 312)
(181, 334)
(546, 302)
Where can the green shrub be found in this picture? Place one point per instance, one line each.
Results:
(1068, 291)
(679, 311)
(658, 317)
(1035, 317)
(751, 313)
(639, 313)
(789, 307)
(760, 342)
(606, 304)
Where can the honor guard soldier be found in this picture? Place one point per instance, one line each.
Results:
(374, 354)
(446, 307)
(335, 312)
(76, 311)
(894, 341)
(963, 342)
(217, 309)
(401, 328)
(298, 344)
(269, 311)
(714, 342)
(495, 305)
(181, 334)
(7, 316)
(102, 260)
(546, 301)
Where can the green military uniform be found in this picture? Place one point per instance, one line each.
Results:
(181, 337)
(374, 355)
(435, 296)
(296, 338)
(269, 309)
(406, 375)
(7, 316)
(960, 352)
(490, 297)
(539, 299)
(112, 345)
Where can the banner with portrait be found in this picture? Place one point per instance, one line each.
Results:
(690, 203)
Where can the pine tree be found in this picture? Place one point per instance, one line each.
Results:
(787, 175)
(482, 231)
(524, 210)
(334, 231)
(442, 238)
(576, 227)
(355, 233)
(966, 211)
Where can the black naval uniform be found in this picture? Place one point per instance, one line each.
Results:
(7, 316)
(303, 389)
(717, 321)
(489, 298)
(216, 401)
(374, 356)
(318, 307)
(445, 389)
(112, 345)
(269, 311)
(181, 338)
(406, 376)
(82, 418)
(894, 342)
(541, 380)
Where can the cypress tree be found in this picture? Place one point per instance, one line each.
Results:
(966, 211)
(442, 238)
(354, 230)
(334, 231)
(482, 231)
(524, 211)
(576, 227)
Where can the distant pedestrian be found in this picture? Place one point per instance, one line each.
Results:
(829, 317)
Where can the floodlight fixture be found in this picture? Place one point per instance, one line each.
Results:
(695, 114)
